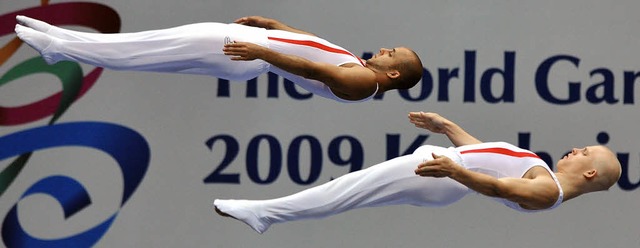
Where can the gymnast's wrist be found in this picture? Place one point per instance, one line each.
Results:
(456, 171)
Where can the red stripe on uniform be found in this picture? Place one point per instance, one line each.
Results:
(316, 45)
(502, 151)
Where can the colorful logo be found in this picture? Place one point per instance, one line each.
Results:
(128, 148)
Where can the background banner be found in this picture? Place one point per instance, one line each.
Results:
(134, 159)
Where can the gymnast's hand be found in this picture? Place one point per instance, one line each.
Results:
(430, 121)
(244, 51)
(268, 23)
(440, 166)
(257, 21)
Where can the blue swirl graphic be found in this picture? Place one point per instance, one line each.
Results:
(127, 147)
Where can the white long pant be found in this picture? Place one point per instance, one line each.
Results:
(192, 49)
(389, 183)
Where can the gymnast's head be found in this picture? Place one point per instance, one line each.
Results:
(593, 168)
(401, 65)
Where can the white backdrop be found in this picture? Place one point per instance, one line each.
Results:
(509, 42)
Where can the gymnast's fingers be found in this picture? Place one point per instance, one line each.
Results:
(415, 121)
(427, 166)
(238, 58)
(234, 49)
(235, 44)
(430, 173)
(417, 124)
(234, 53)
(415, 115)
(242, 20)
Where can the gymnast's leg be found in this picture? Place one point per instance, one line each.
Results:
(192, 49)
(61, 33)
(389, 183)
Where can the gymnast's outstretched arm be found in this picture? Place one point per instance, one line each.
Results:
(268, 23)
(350, 83)
(539, 192)
(438, 124)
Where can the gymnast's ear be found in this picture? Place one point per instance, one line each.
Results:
(393, 74)
(590, 174)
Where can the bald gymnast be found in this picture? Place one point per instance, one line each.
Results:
(237, 51)
(436, 176)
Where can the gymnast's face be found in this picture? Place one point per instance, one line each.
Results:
(388, 58)
(577, 157)
(596, 160)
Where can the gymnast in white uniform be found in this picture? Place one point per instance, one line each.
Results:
(435, 176)
(198, 49)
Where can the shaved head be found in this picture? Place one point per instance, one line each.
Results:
(401, 59)
(608, 168)
(410, 68)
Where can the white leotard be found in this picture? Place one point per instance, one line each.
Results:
(315, 49)
(500, 159)
(192, 49)
(392, 182)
